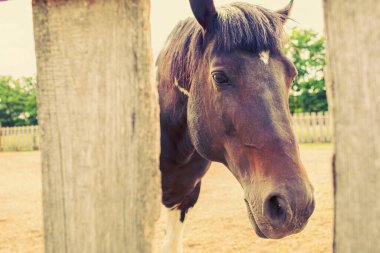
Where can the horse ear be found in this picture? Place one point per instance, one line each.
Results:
(204, 11)
(284, 13)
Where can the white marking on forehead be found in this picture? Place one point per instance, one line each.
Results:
(264, 56)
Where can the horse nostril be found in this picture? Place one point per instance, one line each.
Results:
(275, 209)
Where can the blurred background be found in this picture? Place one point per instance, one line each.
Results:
(220, 212)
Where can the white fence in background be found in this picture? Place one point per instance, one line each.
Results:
(308, 127)
(313, 127)
(19, 138)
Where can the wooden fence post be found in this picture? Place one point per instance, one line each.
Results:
(300, 117)
(313, 121)
(98, 116)
(35, 142)
(321, 124)
(353, 34)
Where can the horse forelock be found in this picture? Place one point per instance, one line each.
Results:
(247, 27)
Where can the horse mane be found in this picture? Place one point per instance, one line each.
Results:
(237, 26)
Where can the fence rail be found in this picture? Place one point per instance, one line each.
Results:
(308, 127)
(19, 138)
(312, 127)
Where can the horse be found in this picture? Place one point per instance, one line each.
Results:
(223, 84)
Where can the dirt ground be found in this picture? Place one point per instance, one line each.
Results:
(218, 223)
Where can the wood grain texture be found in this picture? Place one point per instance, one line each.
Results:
(98, 115)
(353, 35)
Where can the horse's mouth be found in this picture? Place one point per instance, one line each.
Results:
(253, 221)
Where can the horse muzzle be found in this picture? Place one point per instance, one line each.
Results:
(281, 212)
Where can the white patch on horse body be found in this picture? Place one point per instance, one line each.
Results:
(264, 56)
(174, 232)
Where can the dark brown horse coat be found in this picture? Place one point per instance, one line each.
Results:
(223, 86)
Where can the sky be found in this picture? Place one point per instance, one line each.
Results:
(17, 56)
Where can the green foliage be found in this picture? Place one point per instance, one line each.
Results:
(307, 51)
(18, 105)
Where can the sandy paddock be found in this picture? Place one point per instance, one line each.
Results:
(219, 222)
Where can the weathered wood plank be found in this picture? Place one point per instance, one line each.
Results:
(353, 35)
(98, 116)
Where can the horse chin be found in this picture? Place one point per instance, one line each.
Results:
(254, 223)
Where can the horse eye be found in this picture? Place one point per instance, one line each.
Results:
(220, 78)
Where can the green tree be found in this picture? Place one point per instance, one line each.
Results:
(307, 50)
(18, 101)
